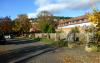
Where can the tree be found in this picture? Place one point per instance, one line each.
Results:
(6, 25)
(22, 24)
(16, 25)
(90, 31)
(95, 18)
(46, 22)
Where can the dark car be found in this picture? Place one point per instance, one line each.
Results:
(2, 39)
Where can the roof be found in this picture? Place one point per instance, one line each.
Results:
(77, 18)
(73, 19)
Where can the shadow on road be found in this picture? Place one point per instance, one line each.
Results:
(18, 41)
(17, 53)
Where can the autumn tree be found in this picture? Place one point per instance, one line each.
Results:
(21, 23)
(95, 18)
(46, 22)
(16, 25)
(6, 25)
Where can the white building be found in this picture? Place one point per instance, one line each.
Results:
(66, 25)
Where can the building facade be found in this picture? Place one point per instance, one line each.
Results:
(67, 25)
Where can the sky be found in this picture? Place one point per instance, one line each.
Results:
(65, 8)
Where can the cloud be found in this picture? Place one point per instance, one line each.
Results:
(67, 4)
(32, 15)
(57, 5)
(41, 3)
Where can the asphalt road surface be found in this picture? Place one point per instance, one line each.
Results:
(23, 52)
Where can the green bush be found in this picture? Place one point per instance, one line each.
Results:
(91, 47)
(94, 48)
(47, 41)
(61, 43)
(72, 45)
(98, 48)
(36, 39)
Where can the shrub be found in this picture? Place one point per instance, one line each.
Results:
(72, 45)
(61, 43)
(47, 41)
(98, 48)
(91, 48)
(94, 48)
(36, 39)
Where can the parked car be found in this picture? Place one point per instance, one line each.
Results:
(7, 36)
(2, 39)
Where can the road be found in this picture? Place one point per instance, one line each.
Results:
(66, 55)
(27, 51)
(22, 53)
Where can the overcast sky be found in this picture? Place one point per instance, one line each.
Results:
(56, 7)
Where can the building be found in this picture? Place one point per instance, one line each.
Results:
(67, 25)
(34, 26)
(34, 22)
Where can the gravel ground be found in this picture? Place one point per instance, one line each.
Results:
(66, 55)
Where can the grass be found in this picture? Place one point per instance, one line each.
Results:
(36, 39)
(47, 41)
(43, 40)
(59, 43)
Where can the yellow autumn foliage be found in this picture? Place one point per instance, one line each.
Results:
(95, 18)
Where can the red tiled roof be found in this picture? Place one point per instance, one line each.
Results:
(77, 18)
(73, 19)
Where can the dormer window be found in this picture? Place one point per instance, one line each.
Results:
(85, 20)
(80, 21)
(68, 22)
(75, 22)
(71, 22)
(65, 23)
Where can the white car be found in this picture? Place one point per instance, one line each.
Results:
(7, 36)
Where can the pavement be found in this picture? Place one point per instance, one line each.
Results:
(22, 49)
(27, 51)
(15, 44)
(66, 55)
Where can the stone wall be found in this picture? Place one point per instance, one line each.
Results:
(55, 36)
(83, 37)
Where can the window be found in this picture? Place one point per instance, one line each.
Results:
(75, 22)
(85, 20)
(80, 21)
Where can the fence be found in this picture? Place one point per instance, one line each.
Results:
(82, 37)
